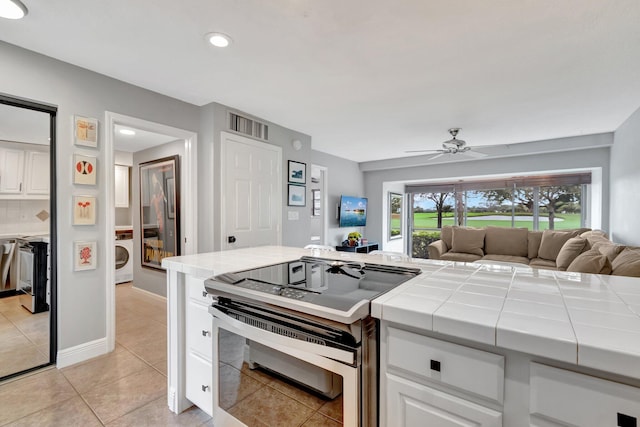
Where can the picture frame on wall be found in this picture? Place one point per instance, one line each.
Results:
(84, 256)
(84, 169)
(297, 195)
(297, 172)
(85, 131)
(159, 210)
(84, 210)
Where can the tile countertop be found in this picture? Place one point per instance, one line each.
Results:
(584, 319)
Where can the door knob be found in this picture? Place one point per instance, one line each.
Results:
(231, 239)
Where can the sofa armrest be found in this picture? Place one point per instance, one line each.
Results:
(437, 249)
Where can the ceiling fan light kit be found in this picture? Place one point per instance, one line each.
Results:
(452, 146)
(12, 9)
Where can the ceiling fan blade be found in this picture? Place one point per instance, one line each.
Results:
(474, 154)
(423, 151)
(436, 156)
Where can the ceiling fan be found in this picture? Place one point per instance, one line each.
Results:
(452, 146)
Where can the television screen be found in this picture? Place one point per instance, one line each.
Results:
(353, 211)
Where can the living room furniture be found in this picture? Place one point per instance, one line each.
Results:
(362, 249)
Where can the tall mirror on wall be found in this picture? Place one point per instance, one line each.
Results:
(27, 236)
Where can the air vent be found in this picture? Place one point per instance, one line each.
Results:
(249, 127)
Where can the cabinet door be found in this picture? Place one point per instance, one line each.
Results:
(414, 405)
(37, 172)
(11, 171)
(122, 186)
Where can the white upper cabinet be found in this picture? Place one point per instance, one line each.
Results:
(37, 173)
(122, 186)
(11, 171)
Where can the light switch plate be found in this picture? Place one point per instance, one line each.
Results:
(293, 215)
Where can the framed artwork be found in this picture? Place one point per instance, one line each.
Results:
(297, 195)
(297, 172)
(84, 210)
(159, 210)
(84, 169)
(395, 216)
(84, 256)
(85, 131)
(316, 202)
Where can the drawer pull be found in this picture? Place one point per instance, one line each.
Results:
(204, 294)
(626, 421)
(205, 333)
(205, 388)
(435, 365)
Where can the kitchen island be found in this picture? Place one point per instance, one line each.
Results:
(499, 345)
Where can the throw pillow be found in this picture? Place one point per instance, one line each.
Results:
(446, 235)
(569, 251)
(506, 241)
(552, 242)
(591, 261)
(468, 240)
(534, 239)
(611, 250)
(627, 263)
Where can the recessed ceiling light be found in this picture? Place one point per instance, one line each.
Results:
(12, 9)
(127, 132)
(218, 39)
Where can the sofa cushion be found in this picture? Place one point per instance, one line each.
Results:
(446, 235)
(569, 251)
(534, 238)
(463, 257)
(506, 241)
(594, 234)
(627, 263)
(506, 258)
(552, 242)
(608, 248)
(543, 263)
(468, 240)
(591, 261)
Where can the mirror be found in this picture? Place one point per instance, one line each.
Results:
(395, 216)
(27, 217)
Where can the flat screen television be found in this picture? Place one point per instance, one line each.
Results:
(353, 211)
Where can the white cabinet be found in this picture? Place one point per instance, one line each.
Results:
(563, 398)
(37, 173)
(198, 327)
(122, 186)
(11, 171)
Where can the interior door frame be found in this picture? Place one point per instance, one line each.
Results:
(325, 201)
(224, 136)
(52, 111)
(188, 199)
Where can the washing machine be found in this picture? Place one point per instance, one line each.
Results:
(124, 256)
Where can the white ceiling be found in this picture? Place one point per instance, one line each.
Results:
(367, 79)
(138, 142)
(24, 125)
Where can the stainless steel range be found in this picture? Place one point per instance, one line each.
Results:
(309, 320)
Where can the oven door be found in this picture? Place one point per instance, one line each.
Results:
(331, 359)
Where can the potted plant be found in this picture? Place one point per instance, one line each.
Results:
(354, 238)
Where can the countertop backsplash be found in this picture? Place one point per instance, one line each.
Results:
(24, 216)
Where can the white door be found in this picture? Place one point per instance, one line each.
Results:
(251, 192)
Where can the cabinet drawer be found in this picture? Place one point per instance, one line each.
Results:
(196, 291)
(198, 327)
(454, 365)
(569, 398)
(410, 404)
(199, 383)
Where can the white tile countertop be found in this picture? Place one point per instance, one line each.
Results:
(584, 319)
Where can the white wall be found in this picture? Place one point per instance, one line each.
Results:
(25, 74)
(346, 179)
(625, 182)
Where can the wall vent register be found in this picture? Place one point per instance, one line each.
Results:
(248, 126)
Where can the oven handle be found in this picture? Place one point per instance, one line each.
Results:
(258, 335)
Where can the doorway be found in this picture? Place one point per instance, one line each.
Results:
(28, 268)
(319, 213)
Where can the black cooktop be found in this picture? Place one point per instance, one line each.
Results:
(328, 283)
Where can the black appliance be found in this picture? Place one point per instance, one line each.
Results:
(32, 283)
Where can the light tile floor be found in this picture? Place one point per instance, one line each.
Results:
(128, 386)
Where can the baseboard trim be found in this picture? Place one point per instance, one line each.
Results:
(149, 293)
(82, 352)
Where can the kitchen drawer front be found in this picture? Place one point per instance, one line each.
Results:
(199, 383)
(198, 327)
(463, 368)
(416, 405)
(569, 398)
(196, 291)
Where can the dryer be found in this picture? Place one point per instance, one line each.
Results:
(124, 256)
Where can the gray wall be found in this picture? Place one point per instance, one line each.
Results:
(578, 159)
(625, 182)
(25, 74)
(344, 178)
(214, 118)
(146, 278)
